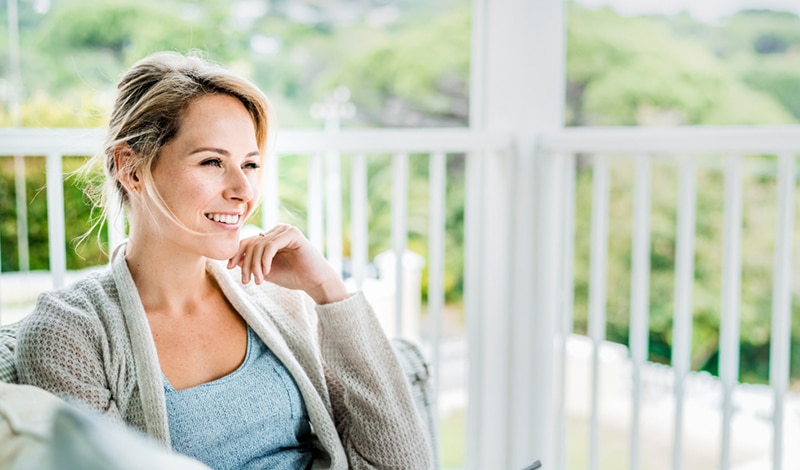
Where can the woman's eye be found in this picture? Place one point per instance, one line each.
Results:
(212, 162)
(252, 166)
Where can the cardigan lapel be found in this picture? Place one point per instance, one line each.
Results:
(145, 356)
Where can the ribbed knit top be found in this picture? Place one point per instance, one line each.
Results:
(252, 418)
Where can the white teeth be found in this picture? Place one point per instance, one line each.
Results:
(224, 218)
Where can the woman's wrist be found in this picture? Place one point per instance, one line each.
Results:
(329, 292)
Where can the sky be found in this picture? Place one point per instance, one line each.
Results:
(702, 10)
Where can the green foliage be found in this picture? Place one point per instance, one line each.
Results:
(778, 76)
(658, 79)
(422, 73)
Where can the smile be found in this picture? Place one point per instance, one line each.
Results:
(229, 219)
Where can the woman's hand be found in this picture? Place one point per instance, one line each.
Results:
(285, 257)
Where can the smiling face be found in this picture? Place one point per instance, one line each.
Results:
(208, 177)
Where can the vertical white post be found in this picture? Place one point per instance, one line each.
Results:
(731, 295)
(640, 294)
(521, 324)
(55, 219)
(519, 94)
(359, 231)
(399, 233)
(315, 217)
(270, 209)
(22, 213)
(547, 262)
(567, 298)
(597, 293)
(438, 170)
(780, 338)
(333, 209)
(473, 299)
(684, 279)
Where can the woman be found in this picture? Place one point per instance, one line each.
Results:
(242, 354)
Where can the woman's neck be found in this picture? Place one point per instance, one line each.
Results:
(167, 279)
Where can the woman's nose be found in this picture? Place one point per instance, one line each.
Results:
(238, 186)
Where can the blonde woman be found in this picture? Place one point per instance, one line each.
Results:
(240, 353)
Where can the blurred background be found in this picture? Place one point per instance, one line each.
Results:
(406, 63)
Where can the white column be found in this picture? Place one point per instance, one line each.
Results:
(517, 87)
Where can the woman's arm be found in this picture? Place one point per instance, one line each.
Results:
(60, 350)
(373, 408)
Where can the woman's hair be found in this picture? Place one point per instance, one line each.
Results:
(151, 100)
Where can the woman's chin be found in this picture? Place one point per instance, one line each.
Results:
(223, 253)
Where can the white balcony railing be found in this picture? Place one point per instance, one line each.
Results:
(731, 153)
(727, 151)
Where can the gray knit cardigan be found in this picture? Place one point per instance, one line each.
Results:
(91, 344)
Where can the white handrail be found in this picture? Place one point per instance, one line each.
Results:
(690, 139)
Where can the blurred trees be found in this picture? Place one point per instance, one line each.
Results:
(658, 78)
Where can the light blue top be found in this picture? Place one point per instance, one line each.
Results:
(253, 418)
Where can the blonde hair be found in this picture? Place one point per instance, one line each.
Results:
(151, 101)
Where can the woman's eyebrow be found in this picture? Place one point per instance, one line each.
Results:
(210, 149)
(254, 153)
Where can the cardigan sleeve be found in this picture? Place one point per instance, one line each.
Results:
(372, 404)
(60, 349)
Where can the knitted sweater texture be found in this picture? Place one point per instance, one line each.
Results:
(91, 344)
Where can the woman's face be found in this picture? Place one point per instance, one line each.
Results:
(208, 176)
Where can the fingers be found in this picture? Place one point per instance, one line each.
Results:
(256, 255)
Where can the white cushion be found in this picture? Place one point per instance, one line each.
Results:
(40, 431)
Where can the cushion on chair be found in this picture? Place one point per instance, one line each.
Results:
(8, 341)
(40, 431)
(26, 416)
(84, 441)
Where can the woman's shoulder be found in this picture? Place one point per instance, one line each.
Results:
(96, 289)
(82, 304)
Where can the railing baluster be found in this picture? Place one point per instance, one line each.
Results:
(314, 215)
(270, 210)
(359, 229)
(684, 278)
(399, 232)
(474, 202)
(640, 294)
(780, 339)
(530, 195)
(436, 249)
(597, 292)
(731, 294)
(55, 219)
(565, 323)
(20, 184)
(333, 209)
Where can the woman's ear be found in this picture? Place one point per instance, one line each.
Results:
(126, 173)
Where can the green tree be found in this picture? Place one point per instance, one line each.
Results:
(417, 77)
(657, 79)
